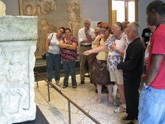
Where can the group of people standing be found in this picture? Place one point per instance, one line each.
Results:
(119, 60)
(125, 63)
(124, 58)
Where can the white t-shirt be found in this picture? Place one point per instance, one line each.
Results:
(82, 35)
(54, 44)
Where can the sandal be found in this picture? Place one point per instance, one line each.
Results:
(63, 86)
(74, 86)
(50, 84)
(110, 100)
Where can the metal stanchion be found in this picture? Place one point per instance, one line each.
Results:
(69, 113)
(48, 92)
(46, 82)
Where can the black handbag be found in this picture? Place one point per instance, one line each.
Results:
(44, 55)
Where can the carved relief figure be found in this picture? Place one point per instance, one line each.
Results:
(4, 64)
(48, 7)
(46, 10)
(54, 5)
(40, 10)
(74, 16)
(30, 10)
(47, 29)
(73, 11)
(39, 40)
(28, 0)
(16, 76)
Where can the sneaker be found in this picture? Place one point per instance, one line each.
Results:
(74, 86)
(120, 109)
(64, 86)
(50, 84)
(58, 84)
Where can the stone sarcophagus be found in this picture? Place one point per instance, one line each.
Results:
(17, 46)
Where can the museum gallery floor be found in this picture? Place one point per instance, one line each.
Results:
(56, 111)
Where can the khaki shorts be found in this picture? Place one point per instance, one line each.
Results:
(116, 76)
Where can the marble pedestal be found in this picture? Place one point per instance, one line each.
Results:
(17, 46)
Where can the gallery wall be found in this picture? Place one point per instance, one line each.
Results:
(94, 9)
(12, 7)
(52, 14)
(142, 13)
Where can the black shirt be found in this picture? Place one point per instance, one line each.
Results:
(133, 64)
(146, 35)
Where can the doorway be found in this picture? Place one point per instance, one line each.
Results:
(123, 10)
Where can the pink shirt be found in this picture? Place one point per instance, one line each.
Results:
(158, 47)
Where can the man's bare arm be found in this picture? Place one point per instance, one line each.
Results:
(154, 68)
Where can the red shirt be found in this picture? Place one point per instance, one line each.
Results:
(158, 47)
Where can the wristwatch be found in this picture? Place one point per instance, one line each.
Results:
(145, 86)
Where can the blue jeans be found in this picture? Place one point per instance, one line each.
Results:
(69, 67)
(152, 106)
(53, 62)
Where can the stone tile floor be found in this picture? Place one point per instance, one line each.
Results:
(56, 111)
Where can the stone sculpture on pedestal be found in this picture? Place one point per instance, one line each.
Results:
(17, 47)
